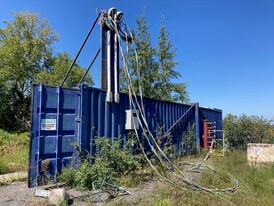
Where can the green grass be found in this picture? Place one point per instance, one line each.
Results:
(134, 179)
(14, 149)
(256, 186)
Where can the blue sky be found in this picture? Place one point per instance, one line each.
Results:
(225, 47)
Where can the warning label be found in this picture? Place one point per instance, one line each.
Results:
(48, 124)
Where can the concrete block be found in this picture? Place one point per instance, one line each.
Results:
(58, 195)
(258, 153)
(42, 193)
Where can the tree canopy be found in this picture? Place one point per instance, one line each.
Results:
(55, 73)
(243, 129)
(156, 65)
(26, 49)
(27, 57)
(167, 90)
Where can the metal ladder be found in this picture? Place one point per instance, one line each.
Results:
(210, 141)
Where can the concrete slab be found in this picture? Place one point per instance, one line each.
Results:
(258, 153)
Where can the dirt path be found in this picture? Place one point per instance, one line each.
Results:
(18, 193)
(89, 198)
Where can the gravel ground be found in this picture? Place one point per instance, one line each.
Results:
(18, 193)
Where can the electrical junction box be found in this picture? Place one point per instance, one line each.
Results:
(131, 119)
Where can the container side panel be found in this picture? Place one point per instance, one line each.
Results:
(63, 117)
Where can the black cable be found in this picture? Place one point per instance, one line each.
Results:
(83, 44)
(94, 58)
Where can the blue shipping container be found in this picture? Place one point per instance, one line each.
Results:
(62, 116)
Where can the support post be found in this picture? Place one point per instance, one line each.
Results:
(110, 55)
(103, 58)
(197, 127)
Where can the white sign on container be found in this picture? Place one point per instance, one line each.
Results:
(48, 124)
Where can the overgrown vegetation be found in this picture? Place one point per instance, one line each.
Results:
(188, 144)
(111, 162)
(14, 150)
(243, 129)
(124, 165)
(256, 186)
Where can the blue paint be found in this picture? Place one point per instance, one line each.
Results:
(82, 114)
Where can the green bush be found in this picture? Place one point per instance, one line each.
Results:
(68, 175)
(110, 162)
(247, 129)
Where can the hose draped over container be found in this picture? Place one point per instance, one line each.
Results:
(155, 148)
(113, 21)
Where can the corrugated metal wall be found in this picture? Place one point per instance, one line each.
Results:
(61, 116)
(108, 119)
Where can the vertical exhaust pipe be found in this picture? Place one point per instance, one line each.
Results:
(118, 19)
(110, 53)
(116, 69)
(109, 93)
(111, 14)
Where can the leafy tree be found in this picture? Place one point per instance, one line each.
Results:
(163, 87)
(247, 129)
(147, 66)
(25, 50)
(55, 73)
(26, 57)
(156, 65)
